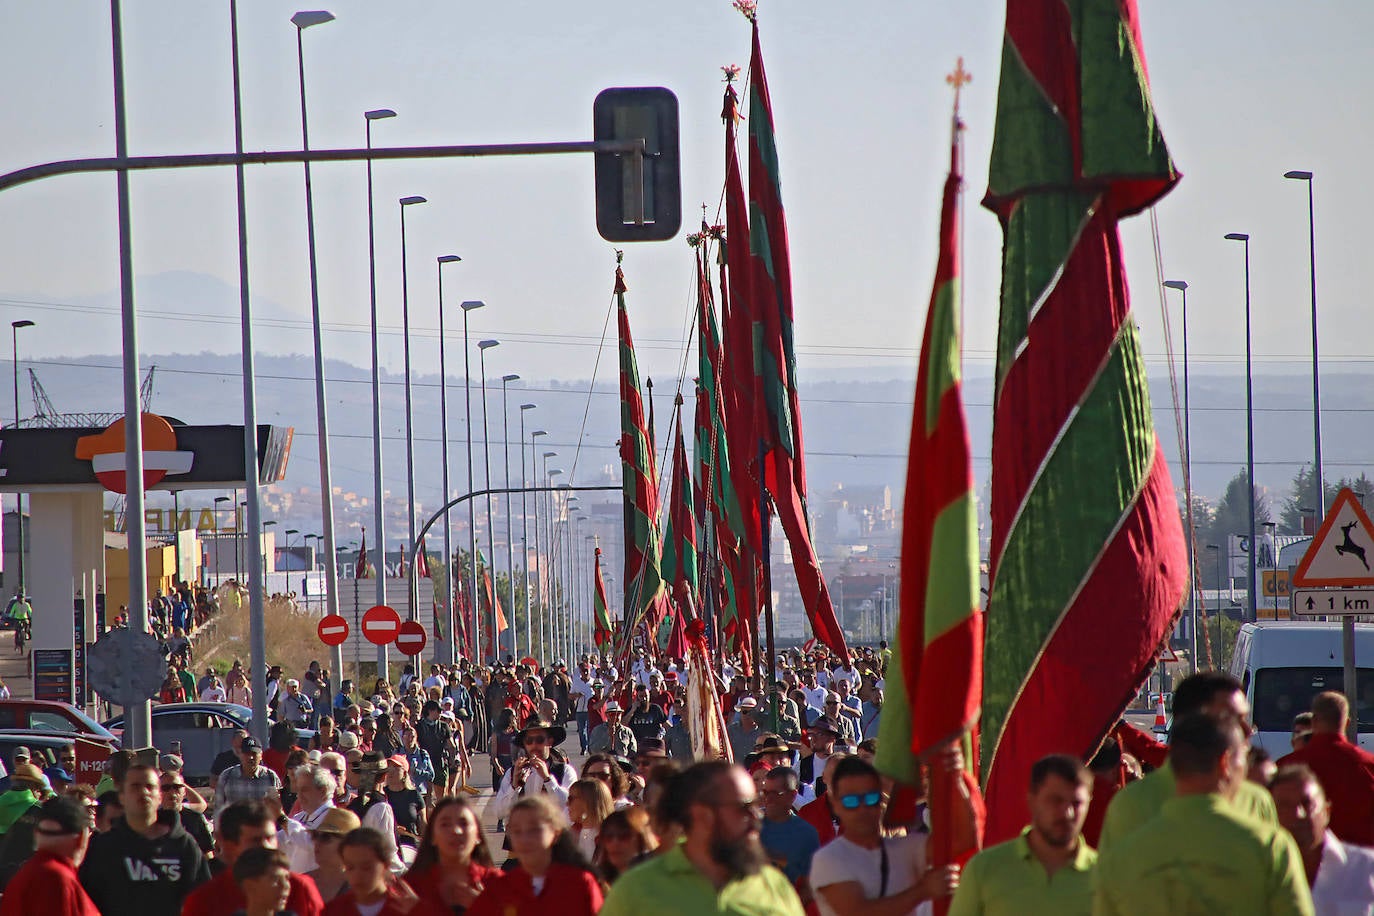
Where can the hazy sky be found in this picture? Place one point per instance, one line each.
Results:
(1244, 91)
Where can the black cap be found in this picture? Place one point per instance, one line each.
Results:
(250, 744)
(70, 816)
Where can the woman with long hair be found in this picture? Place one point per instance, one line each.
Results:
(453, 864)
(172, 691)
(382, 688)
(387, 741)
(551, 876)
(326, 737)
(589, 804)
(372, 889)
(607, 769)
(625, 840)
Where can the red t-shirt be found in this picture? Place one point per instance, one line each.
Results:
(817, 813)
(426, 883)
(47, 884)
(595, 713)
(220, 896)
(568, 891)
(346, 905)
(1346, 773)
(524, 709)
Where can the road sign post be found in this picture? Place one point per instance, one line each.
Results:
(1338, 566)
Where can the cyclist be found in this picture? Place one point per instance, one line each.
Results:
(20, 612)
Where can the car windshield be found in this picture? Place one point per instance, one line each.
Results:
(1282, 693)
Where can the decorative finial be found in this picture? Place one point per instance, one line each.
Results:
(731, 72)
(750, 9)
(958, 79)
(619, 255)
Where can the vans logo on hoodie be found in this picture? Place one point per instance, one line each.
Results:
(138, 870)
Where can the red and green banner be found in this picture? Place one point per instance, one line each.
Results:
(934, 679)
(363, 569)
(1088, 566)
(775, 360)
(490, 599)
(644, 590)
(679, 548)
(604, 632)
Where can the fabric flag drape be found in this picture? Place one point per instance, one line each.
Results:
(644, 589)
(1088, 566)
(422, 562)
(775, 359)
(604, 631)
(934, 679)
(362, 569)
(679, 547)
(705, 718)
(490, 599)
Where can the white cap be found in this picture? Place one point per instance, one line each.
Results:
(613, 706)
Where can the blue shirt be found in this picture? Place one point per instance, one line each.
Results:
(790, 845)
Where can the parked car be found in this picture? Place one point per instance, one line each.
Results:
(45, 746)
(49, 716)
(200, 731)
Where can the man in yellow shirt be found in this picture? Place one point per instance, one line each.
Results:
(1207, 691)
(1200, 854)
(1048, 868)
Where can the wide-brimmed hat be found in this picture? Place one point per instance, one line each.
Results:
(612, 706)
(557, 734)
(337, 821)
(822, 724)
(372, 762)
(771, 744)
(747, 704)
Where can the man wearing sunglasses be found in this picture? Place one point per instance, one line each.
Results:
(863, 872)
(48, 883)
(538, 772)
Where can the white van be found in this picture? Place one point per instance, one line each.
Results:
(1284, 664)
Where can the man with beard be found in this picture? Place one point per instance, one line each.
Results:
(1049, 867)
(863, 872)
(720, 866)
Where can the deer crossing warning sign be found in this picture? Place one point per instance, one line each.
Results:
(1342, 553)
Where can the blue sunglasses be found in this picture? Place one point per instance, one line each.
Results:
(866, 800)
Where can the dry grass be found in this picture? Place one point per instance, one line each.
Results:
(292, 640)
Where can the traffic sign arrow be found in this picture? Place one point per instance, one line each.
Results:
(1334, 602)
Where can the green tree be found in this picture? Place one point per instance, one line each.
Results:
(1232, 514)
(1303, 496)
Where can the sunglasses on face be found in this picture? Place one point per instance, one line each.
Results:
(864, 800)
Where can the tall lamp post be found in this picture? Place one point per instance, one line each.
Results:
(447, 652)
(1316, 373)
(482, 347)
(525, 533)
(378, 507)
(539, 564)
(467, 308)
(412, 593)
(18, 497)
(1216, 549)
(302, 21)
(1182, 287)
(1249, 424)
(510, 518)
(555, 596)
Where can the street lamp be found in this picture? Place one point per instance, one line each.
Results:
(510, 532)
(467, 308)
(1316, 374)
(219, 570)
(538, 561)
(1249, 421)
(446, 652)
(302, 21)
(482, 347)
(378, 508)
(525, 532)
(18, 497)
(411, 592)
(1216, 548)
(555, 574)
(1182, 287)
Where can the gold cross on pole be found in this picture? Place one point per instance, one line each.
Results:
(958, 79)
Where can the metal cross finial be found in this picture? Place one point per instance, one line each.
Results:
(958, 79)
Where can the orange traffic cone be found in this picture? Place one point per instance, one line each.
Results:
(1159, 713)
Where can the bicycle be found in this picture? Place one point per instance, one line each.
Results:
(22, 633)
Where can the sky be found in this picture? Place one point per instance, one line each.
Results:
(1243, 92)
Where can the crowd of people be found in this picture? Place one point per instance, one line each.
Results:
(599, 807)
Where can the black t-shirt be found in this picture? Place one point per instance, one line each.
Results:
(194, 823)
(647, 723)
(406, 804)
(223, 761)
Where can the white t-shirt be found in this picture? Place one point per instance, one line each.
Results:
(580, 686)
(840, 861)
(852, 676)
(212, 695)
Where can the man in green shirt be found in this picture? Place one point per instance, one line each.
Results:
(1200, 853)
(719, 866)
(1048, 868)
(1207, 691)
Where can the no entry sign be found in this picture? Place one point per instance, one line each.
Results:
(380, 624)
(333, 630)
(410, 639)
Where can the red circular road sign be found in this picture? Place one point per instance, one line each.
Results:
(333, 630)
(411, 638)
(380, 624)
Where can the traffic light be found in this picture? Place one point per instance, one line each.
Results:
(638, 199)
